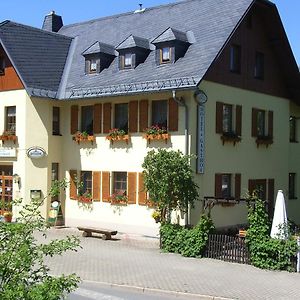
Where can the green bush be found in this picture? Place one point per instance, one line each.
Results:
(266, 252)
(188, 242)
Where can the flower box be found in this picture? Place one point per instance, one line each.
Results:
(117, 134)
(264, 140)
(118, 199)
(163, 136)
(230, 138)
(85, 199)
(8, 137)
(79, 137)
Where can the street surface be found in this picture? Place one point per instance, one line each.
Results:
(134, 261)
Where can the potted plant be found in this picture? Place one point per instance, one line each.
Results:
(83, 137)
(85, 198)
(156, 215)
(7, 216)
(119, 198)
(230, 137)
(117, 134)
(156, 132)
(8, 135)
(264, 140)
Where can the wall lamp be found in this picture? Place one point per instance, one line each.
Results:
(16, 178)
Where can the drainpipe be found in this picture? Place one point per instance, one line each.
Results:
(181, 102)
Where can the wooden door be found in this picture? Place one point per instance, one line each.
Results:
(6, 191)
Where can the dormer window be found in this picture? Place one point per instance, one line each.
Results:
(165, 55)
(2, 65)
(170, 45)
(98, 57)
(132, 52)
(128, 61)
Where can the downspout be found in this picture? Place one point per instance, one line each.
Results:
(182, 103)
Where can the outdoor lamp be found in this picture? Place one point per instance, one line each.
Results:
(16, 178)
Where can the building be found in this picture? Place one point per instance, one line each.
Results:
(220, 76)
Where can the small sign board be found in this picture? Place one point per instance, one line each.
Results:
(201, 140)
(8, 152)
(36, 152)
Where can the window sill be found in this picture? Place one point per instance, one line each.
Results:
(264, 140)
(294, 141)
(293, 198)
(56, 134)
(230, 138)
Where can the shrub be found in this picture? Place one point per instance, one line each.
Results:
(188, 242)
(265, 252)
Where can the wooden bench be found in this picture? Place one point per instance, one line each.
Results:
(87, 232)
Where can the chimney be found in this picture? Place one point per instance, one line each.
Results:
(52, 22)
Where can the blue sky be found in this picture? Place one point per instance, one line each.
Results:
(32, 12)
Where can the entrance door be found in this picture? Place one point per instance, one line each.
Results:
(6, 192)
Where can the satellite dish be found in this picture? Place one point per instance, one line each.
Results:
(200, 97)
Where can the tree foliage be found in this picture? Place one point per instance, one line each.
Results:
(168, 179)
(23, 272)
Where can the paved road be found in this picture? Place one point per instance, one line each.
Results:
(136, 261)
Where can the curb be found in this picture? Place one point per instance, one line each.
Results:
(152, 291)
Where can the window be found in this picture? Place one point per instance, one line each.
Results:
(93, 65)
(235, 59)
(227, 118)
(226, 186)
(292, 186)
(86, 183)
(11, 119)
(293, 131)
(259, 65)
(87, 119)
(165, 55)
(56, 120)
(121, 116)
(261, 123)
(128, 60)
(160, 113)
(2, 65)
(259, 186)
(120, 183)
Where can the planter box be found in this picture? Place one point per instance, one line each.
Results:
(230, 139)
(118, 138)
(4, 138)
(78, 139)
(264, 141)
(163, 136)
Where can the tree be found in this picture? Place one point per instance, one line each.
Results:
(168, 179)
(23, 272)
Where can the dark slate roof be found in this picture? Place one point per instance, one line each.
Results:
(132, 42)
(99, 47)
(38, 56)
(171, 34)
(211, 23)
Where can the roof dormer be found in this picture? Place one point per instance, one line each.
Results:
(98, 57)
(170, 46)
(132, 52)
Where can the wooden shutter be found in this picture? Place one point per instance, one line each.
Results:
(121, 62)
(219, 117)
(173, 115)
(254, 122)
(96, 185)
(106, 117)
(143, 124)
(87, 66)
(237, 186)
(98, 65)
(142, 196)
(133, 116)
(97, 118)
(218, 186)
(131, 184)
(73, 186)
(238, 120)
(251, 186)
(270, 197)
(270, 124)
(74, 119)
(105, 186)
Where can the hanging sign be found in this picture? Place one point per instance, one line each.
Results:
(36, 152)
(201, 140)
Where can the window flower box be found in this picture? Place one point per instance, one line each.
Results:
(118, 199)
(117, 134)
(85, 199)
(156, 133)
(264, 140)
(79, 137)
(8, 136)
(230, 137)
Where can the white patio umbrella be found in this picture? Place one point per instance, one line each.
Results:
(279, 218)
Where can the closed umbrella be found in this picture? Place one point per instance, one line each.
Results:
(279, 223)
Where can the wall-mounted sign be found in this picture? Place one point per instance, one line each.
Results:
(8, 152)
(201, 140)
(36, 152)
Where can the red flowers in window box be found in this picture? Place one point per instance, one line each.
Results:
(155, 132)
(83, 137)
(117, 134)
(8, 135)
(119, 198)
